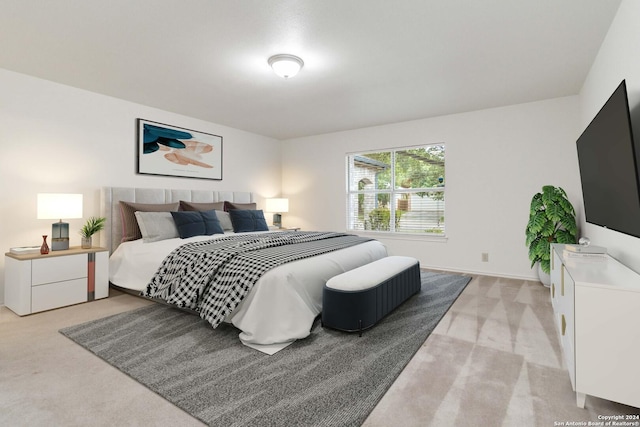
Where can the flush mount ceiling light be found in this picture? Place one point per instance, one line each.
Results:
(285, 65)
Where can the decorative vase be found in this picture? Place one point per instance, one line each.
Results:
(86, 242)
(44, 249)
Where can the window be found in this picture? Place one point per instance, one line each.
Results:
(409, 179)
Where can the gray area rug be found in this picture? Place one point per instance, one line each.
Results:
(330, 378)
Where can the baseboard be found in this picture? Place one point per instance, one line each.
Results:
(533, 278)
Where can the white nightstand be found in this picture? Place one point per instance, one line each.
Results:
(35, 282)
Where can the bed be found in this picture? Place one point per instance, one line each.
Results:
(284, 302)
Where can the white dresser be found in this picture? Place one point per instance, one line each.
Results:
(35, 282)
(596, 305)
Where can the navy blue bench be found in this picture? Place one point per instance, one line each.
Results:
(357, 299)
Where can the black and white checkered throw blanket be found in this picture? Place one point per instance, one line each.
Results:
(213, 276)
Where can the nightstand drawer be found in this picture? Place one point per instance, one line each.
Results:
(53, 295)
(58, 269)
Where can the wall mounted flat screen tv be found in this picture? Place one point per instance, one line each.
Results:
(609, 167)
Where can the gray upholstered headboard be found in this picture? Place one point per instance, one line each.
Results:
(111, 197)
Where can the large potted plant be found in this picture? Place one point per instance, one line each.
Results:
(552, 219)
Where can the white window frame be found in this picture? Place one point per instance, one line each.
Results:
(394, 192)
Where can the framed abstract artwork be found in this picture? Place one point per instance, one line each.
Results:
(172, 151)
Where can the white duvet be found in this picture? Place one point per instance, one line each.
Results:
(282, 305)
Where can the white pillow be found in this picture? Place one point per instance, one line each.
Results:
(156, 226)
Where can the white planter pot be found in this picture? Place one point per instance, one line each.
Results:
(544, 277)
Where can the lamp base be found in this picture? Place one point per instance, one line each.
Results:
(59, 236)
(59, 244)
(277, 220)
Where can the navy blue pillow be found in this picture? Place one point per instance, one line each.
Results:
(211, 223)
(248, 220)
(196, 223)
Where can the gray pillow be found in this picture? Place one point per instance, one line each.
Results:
(130, 228)
(225, 220)
(156, 226)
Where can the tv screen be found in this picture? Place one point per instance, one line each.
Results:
(608, 167)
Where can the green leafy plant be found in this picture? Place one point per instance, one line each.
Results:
(380, 219)
(92, 226)
(552, 219)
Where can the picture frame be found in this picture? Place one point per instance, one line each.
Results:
(168, 150)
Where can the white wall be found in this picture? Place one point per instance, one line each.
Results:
(617, 59)
(496, 160)
(56, 138)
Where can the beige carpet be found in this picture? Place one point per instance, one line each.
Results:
(493, 360)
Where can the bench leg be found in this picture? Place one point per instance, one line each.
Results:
(360, 324)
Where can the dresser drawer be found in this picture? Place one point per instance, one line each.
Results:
(59, 294)
(58, 269)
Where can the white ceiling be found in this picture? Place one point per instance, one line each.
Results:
(367, 62)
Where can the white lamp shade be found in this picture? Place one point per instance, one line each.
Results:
(59, 206)
(277, 205)
(286, 65)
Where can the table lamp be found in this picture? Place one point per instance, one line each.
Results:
(277, 206)
(59, 206)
